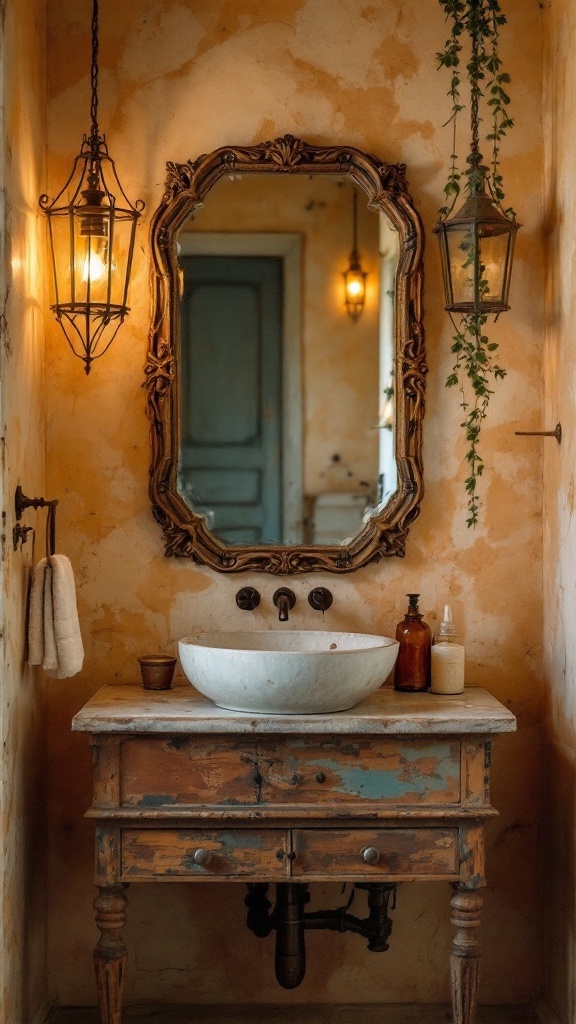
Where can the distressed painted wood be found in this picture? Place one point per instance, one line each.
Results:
(172, 854)
(472, 857)
(131, 709)
(110, 953)
(466, 907)
(168, 772)
(186, 791)
(404, 854)
(107, 843)
(270, 815)
(356, 770)
(476, 772)
(106, 761)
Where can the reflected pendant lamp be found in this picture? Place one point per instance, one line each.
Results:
(477, 242)
(91, 230)
(354, 277)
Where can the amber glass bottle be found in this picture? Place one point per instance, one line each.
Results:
(412, 670)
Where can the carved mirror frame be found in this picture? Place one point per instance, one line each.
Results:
(187, 534)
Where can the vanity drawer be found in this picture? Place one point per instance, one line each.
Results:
(397, 852)
(357, 770)
(172, 771)
(196, 853)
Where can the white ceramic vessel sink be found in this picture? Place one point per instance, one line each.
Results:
(287, 672)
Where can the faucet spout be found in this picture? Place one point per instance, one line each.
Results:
(284, 600)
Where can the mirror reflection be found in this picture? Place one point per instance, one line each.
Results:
(287, 341)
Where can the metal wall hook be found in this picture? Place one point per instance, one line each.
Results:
(20, 533)
(557, 433)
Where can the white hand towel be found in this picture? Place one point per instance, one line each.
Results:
(69, 647)
(36, 616)
(50, 662)
(54, 639)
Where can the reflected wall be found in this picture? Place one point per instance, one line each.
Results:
(304, 413)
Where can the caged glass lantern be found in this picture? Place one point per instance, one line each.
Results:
(91, 230)
(477, 250)
(354, 276)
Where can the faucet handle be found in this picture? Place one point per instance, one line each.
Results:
(320, 599)
(284, 600)
(248, 599)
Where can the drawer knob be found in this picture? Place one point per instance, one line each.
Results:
(320, 777)
(202, 857)
(371, 855)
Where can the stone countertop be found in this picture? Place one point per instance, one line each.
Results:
(130, 708)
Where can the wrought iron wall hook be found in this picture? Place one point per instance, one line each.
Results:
(557, 433)
(20, 533)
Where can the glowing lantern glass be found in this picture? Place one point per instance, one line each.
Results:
(92, 229)
(354, 276)
(477, 250)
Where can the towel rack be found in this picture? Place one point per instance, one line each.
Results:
(20, 533)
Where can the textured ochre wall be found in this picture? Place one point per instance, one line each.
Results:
(179, 79)
(22, 705)
(559, 508)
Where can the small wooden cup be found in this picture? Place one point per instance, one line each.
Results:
(157, 671)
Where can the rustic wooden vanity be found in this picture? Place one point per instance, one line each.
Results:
(395, 790)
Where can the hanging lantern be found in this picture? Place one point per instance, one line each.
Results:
(354, 277)
(477, 250)
(91, 229)
(477, 243)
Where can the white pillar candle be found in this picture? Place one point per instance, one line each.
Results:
(447, 668)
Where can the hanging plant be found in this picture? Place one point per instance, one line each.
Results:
(477, 243)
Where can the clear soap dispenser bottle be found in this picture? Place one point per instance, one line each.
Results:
(447, 658)
(412, 670)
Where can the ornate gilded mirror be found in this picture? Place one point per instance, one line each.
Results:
(286, 365)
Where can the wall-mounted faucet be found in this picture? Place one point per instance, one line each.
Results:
(284, 599)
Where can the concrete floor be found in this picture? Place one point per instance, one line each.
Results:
(358, 1014)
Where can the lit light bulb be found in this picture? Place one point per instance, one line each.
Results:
(354, 288)
(94, 267)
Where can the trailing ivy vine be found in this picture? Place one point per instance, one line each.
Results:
(478, 23)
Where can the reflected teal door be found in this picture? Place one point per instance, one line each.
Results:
(231, 394)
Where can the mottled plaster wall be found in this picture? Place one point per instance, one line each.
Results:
(22, 350)
(559, 506)
(179, 79)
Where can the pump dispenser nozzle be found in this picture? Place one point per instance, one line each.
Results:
(447, 627)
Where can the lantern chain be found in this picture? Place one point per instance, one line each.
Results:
(475, 158)
(95, 134)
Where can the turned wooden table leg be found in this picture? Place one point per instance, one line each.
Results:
(110, 953)
(465, 956)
